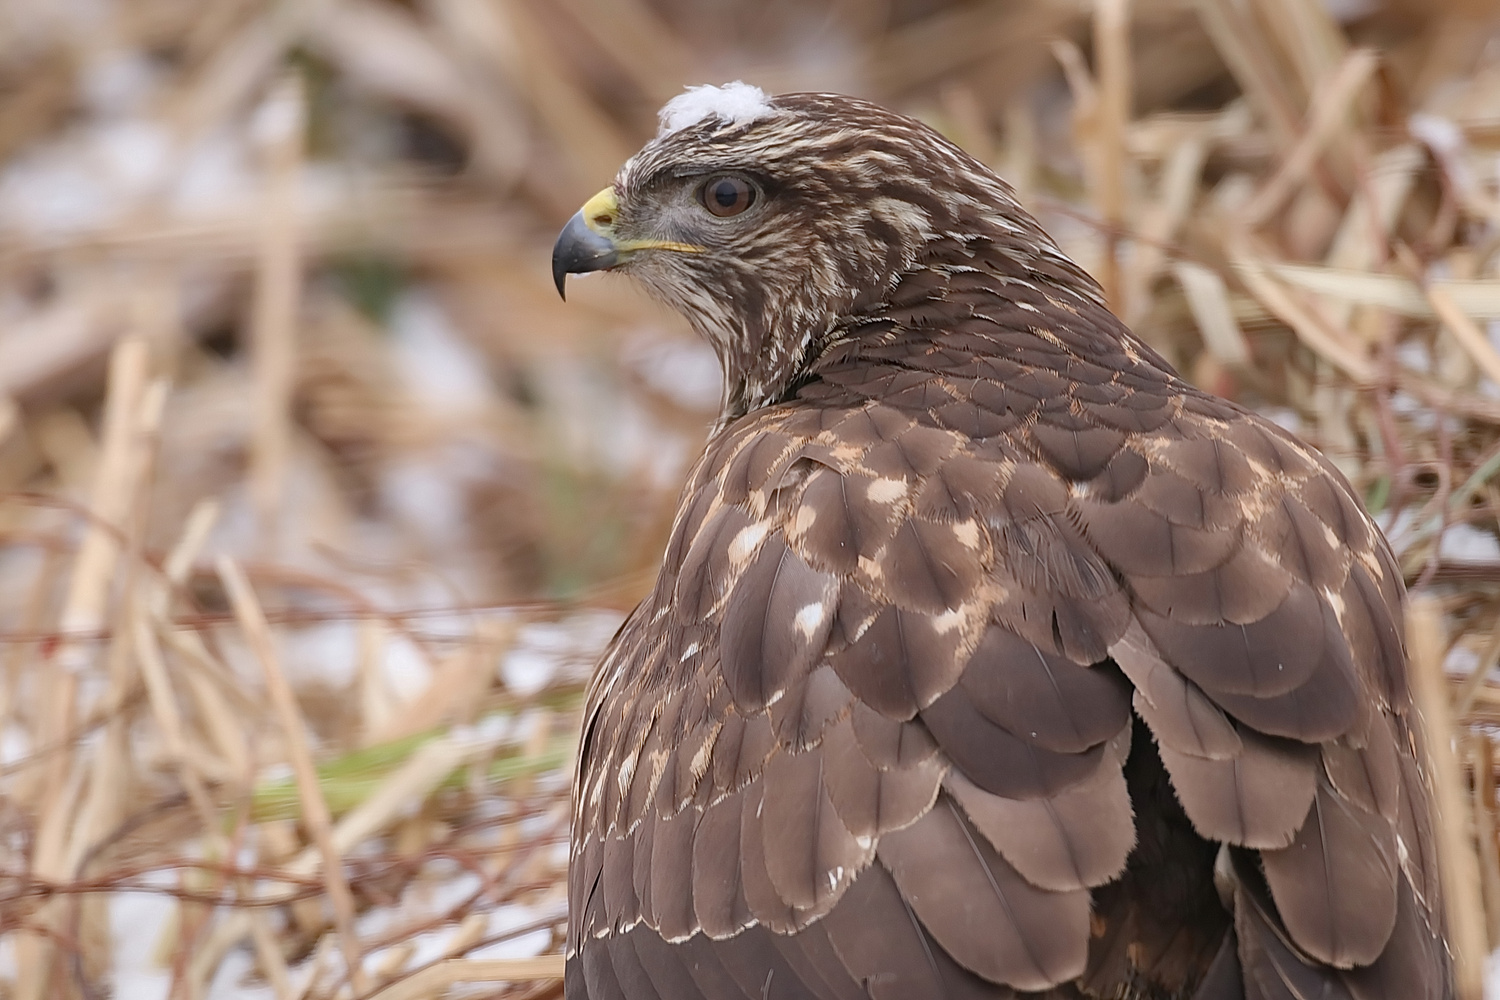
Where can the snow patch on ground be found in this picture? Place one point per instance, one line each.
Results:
(543, 650)
(1492, 976)
(684, 370)
(136, 921)
(437, 364)
(1465, 543)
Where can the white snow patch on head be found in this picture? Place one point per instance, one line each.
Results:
(735, 103)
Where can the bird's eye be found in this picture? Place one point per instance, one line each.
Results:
(726, 196)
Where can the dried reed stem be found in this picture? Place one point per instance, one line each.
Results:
(1329, 115)
(436, 978)
(1456, 854)
(1112, 53)
(1469, 687)
(1244, 51)
(113, 490)
(274, 310)
(1305, 319)
(1208, 298)
(314, 807)
(1482, 766)
(1465, 331)
(70, 812)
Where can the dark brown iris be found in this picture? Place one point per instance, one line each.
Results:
(726, 196)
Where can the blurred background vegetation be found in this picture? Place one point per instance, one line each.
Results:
(316, 504)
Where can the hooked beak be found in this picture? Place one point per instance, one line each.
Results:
(588, 243)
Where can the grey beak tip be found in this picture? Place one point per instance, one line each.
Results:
(579, 250)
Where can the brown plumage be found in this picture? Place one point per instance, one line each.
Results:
(987, 658)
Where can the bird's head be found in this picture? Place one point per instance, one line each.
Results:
(773, 222)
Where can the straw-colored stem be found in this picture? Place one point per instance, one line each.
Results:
(1468, 688)
(274, 311)
(72, 818)
(315, 812)
(437, 978)
(1244, 51)
(1305, 320)
(112, 491)
(1482, 766)
(1112, 51)
(1456, 855)
(1465, 331)
(1329, 115)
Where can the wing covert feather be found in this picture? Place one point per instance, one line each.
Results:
(811, 857)
(1335, 883)
(979, 908)
(1078, 838)
(1257, 798)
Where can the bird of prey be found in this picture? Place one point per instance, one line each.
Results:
(988, 658)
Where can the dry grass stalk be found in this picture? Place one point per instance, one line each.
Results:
(1112, 55)
(1208, 298)
(54, 341)
(1308, 36)
(1396, 293)
(114, 488)
(412, 782)
(1465, 331)
(1329, 114)
(78, 803)
(282, 126)
(1460, 868)
(472, 970)
(1482, 765)
(10, 418)
(1246, 55)
(314, 807)
(1471, 686)
(1373, 211)
(1304, 317)
(457, 686)
(1160, 224)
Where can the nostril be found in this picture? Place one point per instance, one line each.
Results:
(604, 220)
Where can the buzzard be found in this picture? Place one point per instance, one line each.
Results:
(988, 658)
